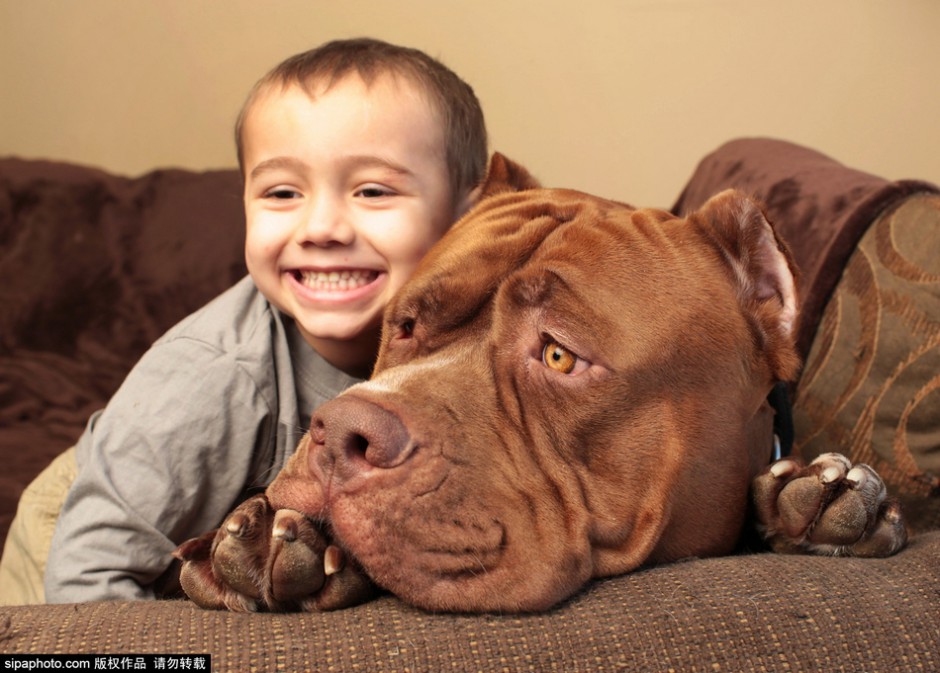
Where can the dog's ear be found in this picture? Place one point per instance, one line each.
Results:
(505, 175)
(762, 270)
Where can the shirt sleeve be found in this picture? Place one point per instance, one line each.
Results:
(166, 460)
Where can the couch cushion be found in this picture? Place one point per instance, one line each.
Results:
(93, 268)
(763, 612)
(871, 384)
(819, 206)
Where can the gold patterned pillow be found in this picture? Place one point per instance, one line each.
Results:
(871, 384)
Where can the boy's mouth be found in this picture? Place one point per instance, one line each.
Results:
(335, 281)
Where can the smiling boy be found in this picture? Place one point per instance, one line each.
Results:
(357, 156)
(346, 188)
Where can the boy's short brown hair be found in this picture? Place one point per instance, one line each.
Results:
(464, 127)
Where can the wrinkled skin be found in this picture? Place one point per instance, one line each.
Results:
(567, 389)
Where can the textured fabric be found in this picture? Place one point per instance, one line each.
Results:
(871, 384)
(210, 411)
(754, 613)
(820, 207)
(26, 550)
(93, 269)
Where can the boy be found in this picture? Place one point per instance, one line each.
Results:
(356, 157)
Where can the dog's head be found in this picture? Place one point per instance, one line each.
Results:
(567, 388)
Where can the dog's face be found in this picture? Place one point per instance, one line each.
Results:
(567, 388)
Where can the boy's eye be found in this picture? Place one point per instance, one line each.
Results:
(373, 192)
(282, 193)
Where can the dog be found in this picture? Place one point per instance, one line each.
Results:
(568, 388)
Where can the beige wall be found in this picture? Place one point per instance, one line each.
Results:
(620, 97)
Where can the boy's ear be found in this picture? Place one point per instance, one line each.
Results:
(763, 272)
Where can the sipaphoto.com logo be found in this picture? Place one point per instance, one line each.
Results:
(147, 663)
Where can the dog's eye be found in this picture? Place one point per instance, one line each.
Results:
(557, 357)
(406, 329)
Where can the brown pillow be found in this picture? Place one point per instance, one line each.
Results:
(819, 206)
(870, 387)
(93, 268)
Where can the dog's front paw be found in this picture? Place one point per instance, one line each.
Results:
(827, 507)
(273, 560)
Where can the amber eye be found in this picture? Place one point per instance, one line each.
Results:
(557, 357)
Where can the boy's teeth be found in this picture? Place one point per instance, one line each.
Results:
(336, 280)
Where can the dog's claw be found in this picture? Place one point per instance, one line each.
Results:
(285, 530)
(827, 507)
(856, 477)
(333, 560)
(783, 467)
(236, 525)
(277, 560)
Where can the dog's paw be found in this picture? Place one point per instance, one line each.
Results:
(262, 559)
(827, 507)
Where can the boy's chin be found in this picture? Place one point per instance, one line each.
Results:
(338, 331)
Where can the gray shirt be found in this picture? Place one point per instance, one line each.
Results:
(215, 407)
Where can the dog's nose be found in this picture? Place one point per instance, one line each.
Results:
(353, 430)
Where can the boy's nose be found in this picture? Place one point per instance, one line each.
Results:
(325, 224)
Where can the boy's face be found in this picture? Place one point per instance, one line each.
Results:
(345, 192)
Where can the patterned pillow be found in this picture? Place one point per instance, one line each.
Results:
(870, 387)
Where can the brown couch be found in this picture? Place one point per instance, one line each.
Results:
(93, 267)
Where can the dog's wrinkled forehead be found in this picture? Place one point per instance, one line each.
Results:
(460, 276)
(569, 255)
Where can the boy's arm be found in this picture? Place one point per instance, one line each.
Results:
(167, 459)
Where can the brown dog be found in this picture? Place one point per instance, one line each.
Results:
(568, 388)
